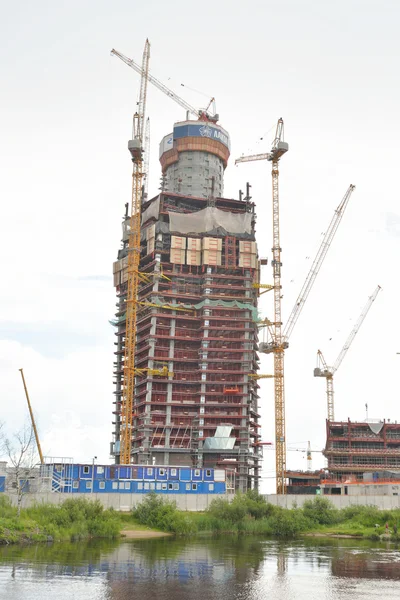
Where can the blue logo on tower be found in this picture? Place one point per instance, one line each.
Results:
(206, 131)
(201, 130)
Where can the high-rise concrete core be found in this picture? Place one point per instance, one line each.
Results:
(193, 159)
(196, 400)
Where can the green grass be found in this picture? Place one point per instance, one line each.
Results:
(250, 514)
(72, 520)
(246, 514)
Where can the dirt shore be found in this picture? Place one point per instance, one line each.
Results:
(134, 534)
(333, 535)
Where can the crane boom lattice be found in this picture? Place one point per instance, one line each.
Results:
(200, 114)
(328, 372)
(355, 329)
(280, 338)
(135, 147)
(316, 265)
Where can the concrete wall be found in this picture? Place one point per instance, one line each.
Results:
(123, 502)
(381, 502)
(199, 502)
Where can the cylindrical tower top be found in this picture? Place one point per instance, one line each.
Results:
(193, 158)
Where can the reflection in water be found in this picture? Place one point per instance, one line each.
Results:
(217, 568)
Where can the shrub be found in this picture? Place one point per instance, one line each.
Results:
(321, 511)
(158, 513)
(247, 505)
(288, 523)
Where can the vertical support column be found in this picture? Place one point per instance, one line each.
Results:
(168, 407)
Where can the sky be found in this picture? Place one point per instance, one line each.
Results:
(328, 69)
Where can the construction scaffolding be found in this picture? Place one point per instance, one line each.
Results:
(356, 448)
(197, 319)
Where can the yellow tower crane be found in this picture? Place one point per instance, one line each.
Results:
(279, 148)
(280, 340)
(135, 147)
(322, 369)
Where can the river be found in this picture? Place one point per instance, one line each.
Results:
(206, 569)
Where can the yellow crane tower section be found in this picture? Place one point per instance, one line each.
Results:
(135, 147)
(322, 369)
(280, 340)
(279, 148)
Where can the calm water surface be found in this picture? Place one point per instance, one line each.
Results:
(209, 569)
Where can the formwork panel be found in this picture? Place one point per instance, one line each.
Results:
(193, 257)
(177, 256)
(247, 247)
(212, 257)
(151, 232)
(194, 244)
(150, 245)
(210, 243)
(178, 242)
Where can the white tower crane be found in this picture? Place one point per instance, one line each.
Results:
(322, 369)
(202, 115)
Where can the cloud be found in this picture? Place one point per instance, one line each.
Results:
(71, 398)
(392, 224)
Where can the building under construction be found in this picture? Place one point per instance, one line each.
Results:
(353, 449)
(195, 392)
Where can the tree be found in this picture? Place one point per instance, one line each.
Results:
(21, 453)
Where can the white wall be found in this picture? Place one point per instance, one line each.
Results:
(124, 502)
(199, 502)
(381, 502)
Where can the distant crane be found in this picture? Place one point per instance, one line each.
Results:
(35, 431)
(202, 115)
(280, 341)
(322, 369)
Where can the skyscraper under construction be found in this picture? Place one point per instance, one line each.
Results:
(195, 401)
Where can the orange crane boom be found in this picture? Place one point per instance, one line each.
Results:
(328, 372)
(35, 431)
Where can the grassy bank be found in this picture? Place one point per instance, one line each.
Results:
(247, 514)
(251, 514)
(72, 520)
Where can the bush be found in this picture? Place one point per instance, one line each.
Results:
(158, 513)
(288, 523)
(321, 511)
(242, 506)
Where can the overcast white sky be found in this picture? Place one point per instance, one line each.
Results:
(329, 69)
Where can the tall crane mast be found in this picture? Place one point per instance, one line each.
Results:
(146, 159)
(202, 115)
(135, 147)
(279, 147)
(322, 369)
(35, 431)
(280, 341)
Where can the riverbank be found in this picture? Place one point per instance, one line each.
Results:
(246, 514)
(250, 514)
(73, 520)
